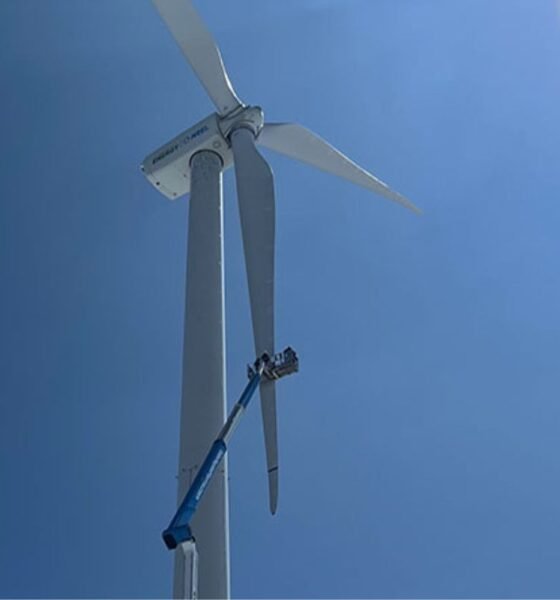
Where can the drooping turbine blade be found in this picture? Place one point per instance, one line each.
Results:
(200, 50)
(296, 141)
(255, 192)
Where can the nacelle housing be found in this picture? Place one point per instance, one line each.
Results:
(168, 168)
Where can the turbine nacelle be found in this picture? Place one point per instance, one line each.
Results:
(168, 167)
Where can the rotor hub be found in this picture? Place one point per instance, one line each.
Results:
(249, 117)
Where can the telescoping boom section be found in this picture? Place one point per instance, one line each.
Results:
(279, 365)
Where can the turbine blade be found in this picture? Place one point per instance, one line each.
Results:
(199, 48)
(255, 193)
(296, 141)
(268, 410)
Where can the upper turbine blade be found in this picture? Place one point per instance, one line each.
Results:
(298, 142)
(200, 50)
(255, 193)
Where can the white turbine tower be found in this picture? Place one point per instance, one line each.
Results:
(193, 162)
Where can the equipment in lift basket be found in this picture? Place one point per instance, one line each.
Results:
(281, 364)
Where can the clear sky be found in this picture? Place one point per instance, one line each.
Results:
(420, 444)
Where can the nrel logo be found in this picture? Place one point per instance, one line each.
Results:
(196, 134)
(188, 138)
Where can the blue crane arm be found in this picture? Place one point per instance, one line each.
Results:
(179, 530)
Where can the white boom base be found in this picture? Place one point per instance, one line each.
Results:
(190, 558)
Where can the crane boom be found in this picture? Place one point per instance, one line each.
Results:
(272, 368)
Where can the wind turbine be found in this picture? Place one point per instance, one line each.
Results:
(193, 162)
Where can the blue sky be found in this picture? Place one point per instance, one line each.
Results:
(419, 444)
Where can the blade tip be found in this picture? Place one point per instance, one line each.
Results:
(273, 490)
(408, 204)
